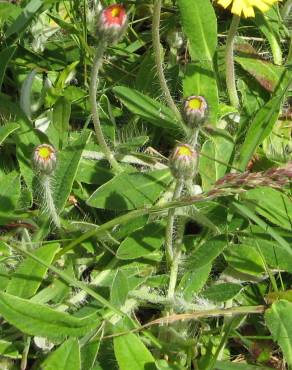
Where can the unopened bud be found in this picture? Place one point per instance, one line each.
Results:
(44, 158)
(195, 110)
(112, 23)
(183, 162)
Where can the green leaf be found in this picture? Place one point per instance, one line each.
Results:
(9, 191)
(207, 252)
(246, 212)
(193, 281)
(274, 254)
(25, 18)
(27, 138)
(8, 349)
(89, 353)
(147, 108)
(5, 56)
(221, 292)
(200, 26)
(67, 166)
(279, 321)
(261, 127)
(267, 74)
(28, 276)
(60, 123)
(207, 165)
(93, 172)
(201, 80)
(132, 354)
(215, 156)
(142, 242)
(7, 130)
(270, 24)
(130, 190)
(8, 12)
(40, 320)
(245, 259)
(66, 357)
(119, 289)
(273, 205)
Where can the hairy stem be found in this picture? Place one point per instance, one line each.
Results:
(229, 57)
(176, 257)
(49, 204)
(97, 62)
(170, 223)
(158, 58)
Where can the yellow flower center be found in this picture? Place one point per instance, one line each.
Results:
(45, 153)
(195, 103)
(184, 150)
(115, 12)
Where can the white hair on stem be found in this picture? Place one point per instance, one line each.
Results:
(48, 201)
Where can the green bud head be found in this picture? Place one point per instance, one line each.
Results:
(183, 162)
(195, 110)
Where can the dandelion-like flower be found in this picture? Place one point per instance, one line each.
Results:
(112, 23)
(183, 161)
(44, 158)
(195, 110)
(246, 7)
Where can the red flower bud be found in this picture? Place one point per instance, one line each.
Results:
(112, 23)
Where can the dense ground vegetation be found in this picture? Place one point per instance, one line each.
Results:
(145, 196)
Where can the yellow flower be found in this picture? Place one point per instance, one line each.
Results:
(246, 7)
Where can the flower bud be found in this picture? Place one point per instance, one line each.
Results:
(112, 23)
(44, 158)
(183, 161)
(195, 110)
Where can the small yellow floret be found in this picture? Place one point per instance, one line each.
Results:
(115, 12)
(246, 7)
(45, 152)
(194, 103)
(184, 150)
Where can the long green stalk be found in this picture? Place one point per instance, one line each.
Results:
(97, 63)
(159, 60)
(229, 60)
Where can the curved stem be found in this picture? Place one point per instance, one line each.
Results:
(229, 58)
(97, 62)
(158, 58)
